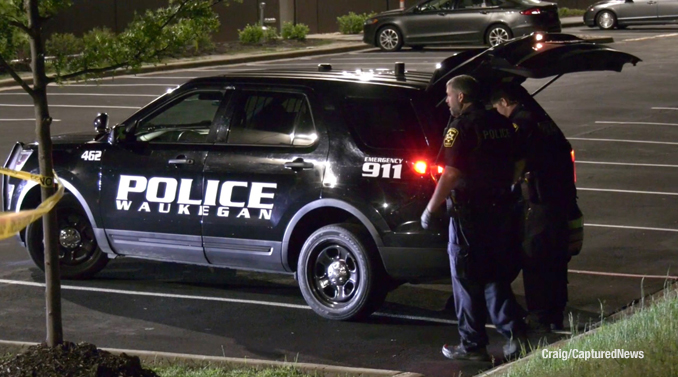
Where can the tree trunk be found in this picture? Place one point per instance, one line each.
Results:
(43, 136)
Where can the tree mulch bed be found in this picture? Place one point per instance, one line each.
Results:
(72, 360)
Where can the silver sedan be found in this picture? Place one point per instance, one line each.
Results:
(622, 13)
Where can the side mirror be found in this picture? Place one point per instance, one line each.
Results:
(101, 123)
(118, 135)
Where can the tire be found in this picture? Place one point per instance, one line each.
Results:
(340, 275)
(389, 39)
(606, 20)
(497, 34)
(79, 254)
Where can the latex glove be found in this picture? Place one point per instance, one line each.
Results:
(426, 219)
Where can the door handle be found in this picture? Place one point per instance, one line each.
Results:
(484, 12)
(441, 14)
(298, 164)
(181, 161)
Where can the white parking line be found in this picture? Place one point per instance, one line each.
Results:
(665, 108)
(626, 164)
(163, 295)
(76, 106)
(653, 37)
(86, 94)
(172, 85)
(163, 77)
(221, 299)
(631, 227)
(25, 120)
(638, 123)
(623, 141)
(599, 273)
(627, 191)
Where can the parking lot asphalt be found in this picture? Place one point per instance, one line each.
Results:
(340, 43)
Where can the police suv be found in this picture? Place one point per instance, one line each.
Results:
(322, 174)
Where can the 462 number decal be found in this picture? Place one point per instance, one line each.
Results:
(91, 156)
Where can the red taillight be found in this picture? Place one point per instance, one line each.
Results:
(420, 167)
(441, 169)
(531, 12)
(574, 168)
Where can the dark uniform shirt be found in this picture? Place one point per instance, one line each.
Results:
(547, 157)
(480, 144)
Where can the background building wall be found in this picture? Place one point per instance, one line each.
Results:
(319, 15)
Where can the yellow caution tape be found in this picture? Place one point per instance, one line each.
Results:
(13, 222)
(41, 179)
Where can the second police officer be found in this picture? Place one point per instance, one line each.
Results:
(479, 155)
(549, 193)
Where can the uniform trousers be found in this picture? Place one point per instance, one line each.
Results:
(481, 263)
(545, 264)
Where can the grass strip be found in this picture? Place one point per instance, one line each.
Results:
(652, 329)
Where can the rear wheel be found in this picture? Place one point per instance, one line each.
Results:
(497, 34)
(79, 254)
(606, 20)
(339, 273)
(389, 38)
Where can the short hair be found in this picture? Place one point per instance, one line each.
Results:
(468, 85)
(512, 93)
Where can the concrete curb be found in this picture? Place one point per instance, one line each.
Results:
(12, 347)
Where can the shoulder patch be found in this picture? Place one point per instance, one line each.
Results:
(450, 137)
(515, 127)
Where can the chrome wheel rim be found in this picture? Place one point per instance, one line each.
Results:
(335, 276)
(76, 239)
(605, 20)
(498, 36)
(388, 39)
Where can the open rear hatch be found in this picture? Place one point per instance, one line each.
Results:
(538, 55)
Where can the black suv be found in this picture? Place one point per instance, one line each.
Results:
(322, 174)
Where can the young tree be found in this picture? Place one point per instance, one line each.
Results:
(150, 37)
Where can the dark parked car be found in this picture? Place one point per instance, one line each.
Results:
(318, 173)
(622, 13)
(435, 22)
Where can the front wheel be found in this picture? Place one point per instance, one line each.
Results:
(79, 254)
(389, 39)
(339, 273)
(606, 20)
(497, 34)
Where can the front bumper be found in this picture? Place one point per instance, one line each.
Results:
(369, 34)
(590, 19)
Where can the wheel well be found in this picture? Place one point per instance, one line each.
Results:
(493, 25)
(32, 199)
(315, 220)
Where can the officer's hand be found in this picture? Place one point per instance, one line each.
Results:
(426, 219)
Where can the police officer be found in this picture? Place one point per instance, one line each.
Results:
(549, 195)
(479, 158)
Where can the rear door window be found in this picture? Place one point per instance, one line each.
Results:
(385, 124)
(272, 118)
